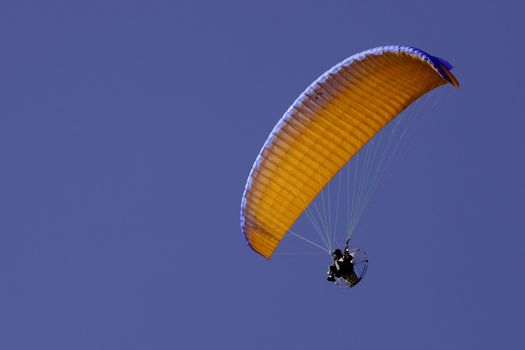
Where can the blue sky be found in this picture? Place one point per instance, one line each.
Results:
(127, 132)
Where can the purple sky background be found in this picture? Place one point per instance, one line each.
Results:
(127, 132)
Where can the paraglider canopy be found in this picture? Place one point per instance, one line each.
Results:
(325, 127)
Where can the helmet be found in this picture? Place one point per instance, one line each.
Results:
(337, 253)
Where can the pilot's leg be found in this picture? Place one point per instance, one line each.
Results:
(331, 273)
